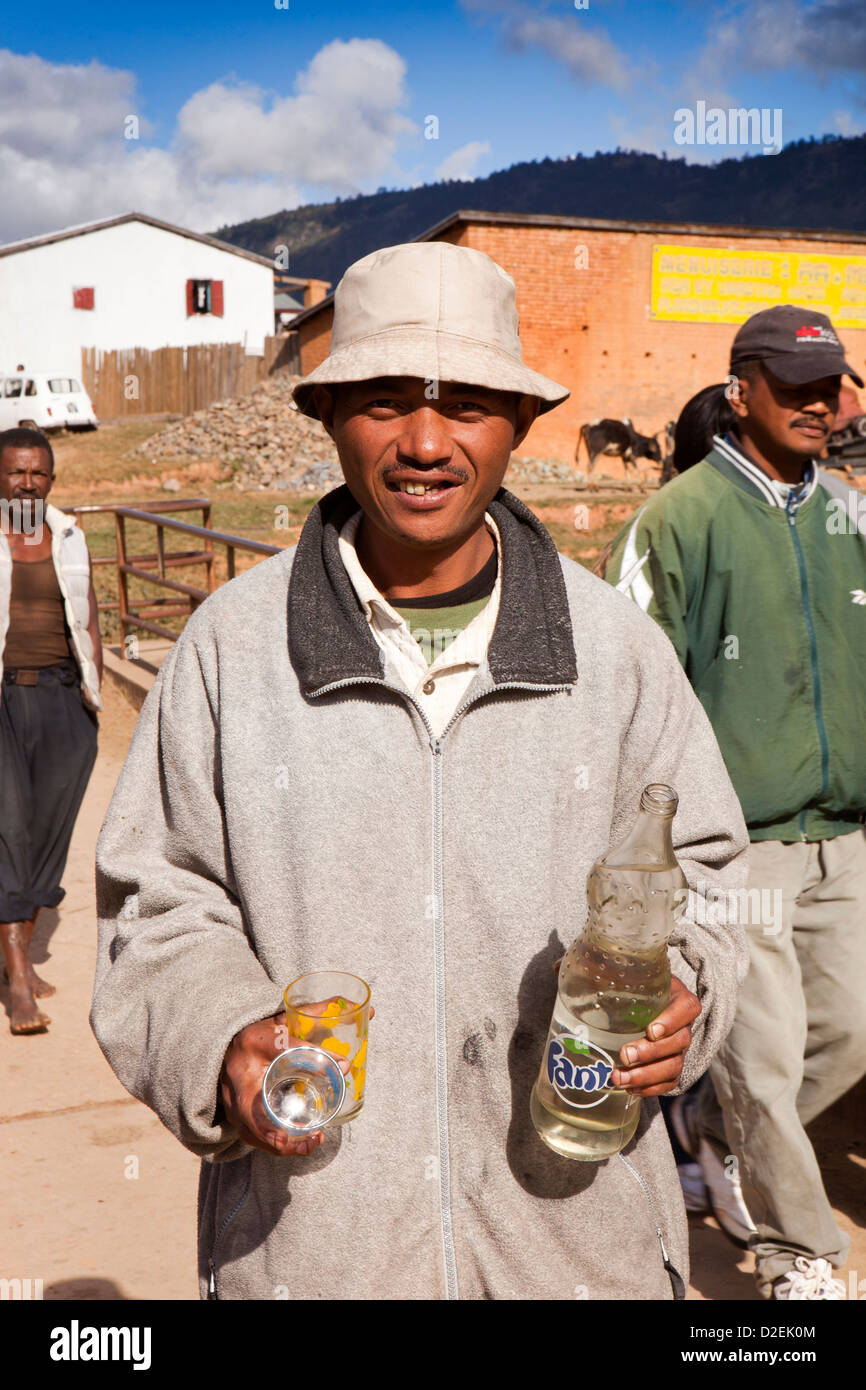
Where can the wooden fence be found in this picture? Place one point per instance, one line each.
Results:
(176, 380)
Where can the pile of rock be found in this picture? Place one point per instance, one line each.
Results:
(261, 437)
(533, 470)
(268, 444)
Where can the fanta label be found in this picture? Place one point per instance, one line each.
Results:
(578, 1070)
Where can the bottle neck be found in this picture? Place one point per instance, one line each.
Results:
(650, 842)
(634, 890)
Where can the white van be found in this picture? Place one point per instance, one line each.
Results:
(45, 401)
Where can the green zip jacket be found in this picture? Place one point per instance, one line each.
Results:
(765, 603)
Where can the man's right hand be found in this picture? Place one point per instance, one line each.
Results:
(248, 1057)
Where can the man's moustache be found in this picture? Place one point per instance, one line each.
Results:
(813, 424)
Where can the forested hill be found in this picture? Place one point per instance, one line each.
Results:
(811, 183)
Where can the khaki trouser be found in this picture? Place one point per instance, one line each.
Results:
(797, 1044)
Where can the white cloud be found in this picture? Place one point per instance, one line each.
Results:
(343, 123)
(237, 151)
(587, 53)
(823, 40)
(52, 110)
(844, 123)
(826, 39)
(461, 164)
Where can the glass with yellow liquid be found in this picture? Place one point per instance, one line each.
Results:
(330, 1010)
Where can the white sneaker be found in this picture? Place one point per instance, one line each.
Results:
(694, 1188)
(724, 1195)
(809, 1280)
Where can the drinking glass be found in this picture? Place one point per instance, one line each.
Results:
(303, 1090)
(330, 1011)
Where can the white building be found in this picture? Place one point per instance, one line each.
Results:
(128, 282)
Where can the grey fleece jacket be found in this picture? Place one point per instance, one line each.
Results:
(284, 807)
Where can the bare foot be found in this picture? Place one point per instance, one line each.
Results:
(40, 988)
(24, 1016)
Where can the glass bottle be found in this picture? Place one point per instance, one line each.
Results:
(613, 982)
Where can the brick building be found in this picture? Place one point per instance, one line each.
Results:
(634, 317)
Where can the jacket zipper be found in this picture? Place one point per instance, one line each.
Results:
(678, 1283)
(212, 1288)
(439, 1010)
(813, 654)
(448, 1256)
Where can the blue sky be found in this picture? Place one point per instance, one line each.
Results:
(243, 108)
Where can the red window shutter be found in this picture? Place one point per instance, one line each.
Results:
(82, 298)
(190, 307)
(216, 298)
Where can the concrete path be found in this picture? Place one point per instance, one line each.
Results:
(98, 1200)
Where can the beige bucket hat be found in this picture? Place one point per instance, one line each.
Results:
(430, 310)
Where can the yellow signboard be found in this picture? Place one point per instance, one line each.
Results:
(708, 284)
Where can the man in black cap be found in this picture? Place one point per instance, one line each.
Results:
(754, 563)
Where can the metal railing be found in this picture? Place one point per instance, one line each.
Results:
(151, 568)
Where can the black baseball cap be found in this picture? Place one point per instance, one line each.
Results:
(797, 345)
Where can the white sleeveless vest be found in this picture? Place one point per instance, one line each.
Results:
(72, 567)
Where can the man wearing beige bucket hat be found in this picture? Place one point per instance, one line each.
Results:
(433, 311)
(396, 749)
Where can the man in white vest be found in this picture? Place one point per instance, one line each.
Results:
(50, 674)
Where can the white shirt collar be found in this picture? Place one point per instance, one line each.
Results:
(363, 584)
(468, 648)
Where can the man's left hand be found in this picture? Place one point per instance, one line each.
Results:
(653, 1067)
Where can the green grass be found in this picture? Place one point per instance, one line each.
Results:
(89, 460)
(583, 546)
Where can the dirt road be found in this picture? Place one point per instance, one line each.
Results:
(103, 1199)
(98, 1200)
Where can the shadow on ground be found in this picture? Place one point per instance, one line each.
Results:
(720, 1270)
(47, 923)
(85, 1289)
(839, 1140)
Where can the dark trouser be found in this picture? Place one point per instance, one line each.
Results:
(47, 750)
